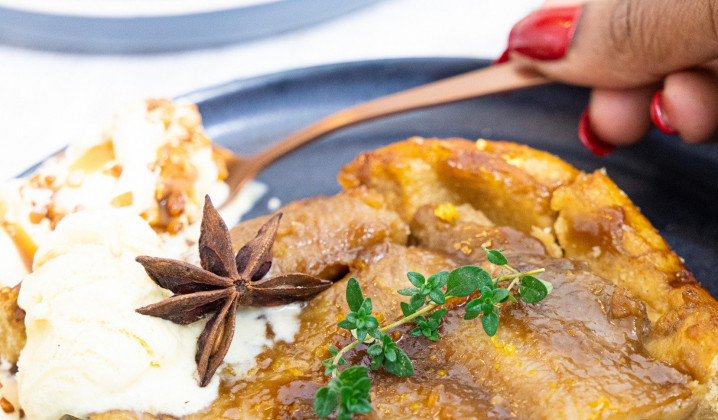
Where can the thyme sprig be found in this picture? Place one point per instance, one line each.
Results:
(348, 390)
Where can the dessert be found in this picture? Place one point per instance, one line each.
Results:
(153, 163)
(622, 329)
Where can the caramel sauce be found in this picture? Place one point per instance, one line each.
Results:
(95, 158)
(221, 157)
(579, 354)
(24, 243)
(122, 200)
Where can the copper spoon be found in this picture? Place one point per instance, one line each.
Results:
(495, 79)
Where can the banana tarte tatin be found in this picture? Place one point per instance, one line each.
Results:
(627, 332)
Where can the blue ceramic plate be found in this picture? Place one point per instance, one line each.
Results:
(675, 185)
(124, 26)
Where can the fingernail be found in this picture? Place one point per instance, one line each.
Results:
(504, 58)
(589, 139)
(657, 114)
(546, 33)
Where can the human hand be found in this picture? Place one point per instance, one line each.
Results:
(645, 60)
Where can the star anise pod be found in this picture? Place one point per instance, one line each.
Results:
(224, 282)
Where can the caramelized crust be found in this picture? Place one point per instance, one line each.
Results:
(511, 184)
(12, 326)
(590, 218)
(599, 224)
(323, 235)
(551, 342)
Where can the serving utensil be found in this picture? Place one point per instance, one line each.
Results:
(487, 81)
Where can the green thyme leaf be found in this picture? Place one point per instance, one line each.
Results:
(366, 306)
(402, 366)
(355, 297)
(532, 290)
(437, 296)
(490, 322)
(405, 309)
(474, 305)
(417, 279)
(411, 291)
(344, 412)
(353, 374)
(325, 402)
(347, 325)
(501, 295)
(495, 257)
(485, 280)
(416, 302)
(374, 350)
(371, 322)
(377, 361)
(438, 280)
(471, 314)
(549, 286)
(463, 281)
(361, 406)
(390, 354)
(376, 334)
(435, 317)
(488, 306)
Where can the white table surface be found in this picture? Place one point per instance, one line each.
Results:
(47, 99)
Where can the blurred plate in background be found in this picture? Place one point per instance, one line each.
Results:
(125, 26)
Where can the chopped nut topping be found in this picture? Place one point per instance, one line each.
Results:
(6, 406)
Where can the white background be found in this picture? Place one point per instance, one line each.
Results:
(47, 99)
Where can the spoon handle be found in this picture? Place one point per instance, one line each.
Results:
(491, 80)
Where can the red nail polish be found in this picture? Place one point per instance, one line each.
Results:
(504, 58)
(657, 115)
(546, 33)
(589, 139)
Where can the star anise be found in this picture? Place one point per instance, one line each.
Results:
(224, 283)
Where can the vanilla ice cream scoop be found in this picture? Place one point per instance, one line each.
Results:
(87, 349)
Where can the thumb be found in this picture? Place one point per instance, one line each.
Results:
(617, 43)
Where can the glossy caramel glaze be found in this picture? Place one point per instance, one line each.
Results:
(597, 223)
(584, 217)
(323, 235)
(579, 354)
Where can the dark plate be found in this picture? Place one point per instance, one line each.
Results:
(676, 186)
(77, 30)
